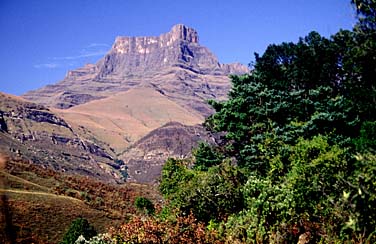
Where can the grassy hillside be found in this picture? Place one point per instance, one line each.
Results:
(127, 116)
(38, 205)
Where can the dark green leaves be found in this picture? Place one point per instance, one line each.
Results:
(79, 226)
(144, 205)
(206, 156)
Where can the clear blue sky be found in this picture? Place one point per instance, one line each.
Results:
(41, 40)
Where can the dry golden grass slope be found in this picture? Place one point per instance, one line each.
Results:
(37, 205)
(33, 213)
(127, 116)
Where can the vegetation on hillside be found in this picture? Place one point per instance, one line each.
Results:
(298, 161)
(41, 203)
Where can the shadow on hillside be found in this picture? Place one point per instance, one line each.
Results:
(7, 232)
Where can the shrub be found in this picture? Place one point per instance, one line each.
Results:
(79, 226)
(185, 229)
(144, 205)
(206, 156)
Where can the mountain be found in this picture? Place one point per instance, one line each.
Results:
(175, 64)
(139, 86)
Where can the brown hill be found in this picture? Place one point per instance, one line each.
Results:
(145, 158)
(125, 117)
(173, 63)
(34, 133)
(37, 205)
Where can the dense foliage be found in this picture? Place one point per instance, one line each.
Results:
(298, 159)
(210, 195)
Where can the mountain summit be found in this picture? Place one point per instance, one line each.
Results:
(180, 47)
(133, 61)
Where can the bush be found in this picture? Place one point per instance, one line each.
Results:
(175, 175)
(79, 227)
(151, 230)
(209, 195)
(367, 138)
(144, 205)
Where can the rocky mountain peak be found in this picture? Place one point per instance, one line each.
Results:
(148, 55)
(145, 45)
(182, 32)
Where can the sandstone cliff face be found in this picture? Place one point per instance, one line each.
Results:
(172, 61)
(179, 47)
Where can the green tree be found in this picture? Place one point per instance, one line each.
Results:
(360, 198)
(206, 156)
(175, 175)
(366, 10)
(307, 198)
(367, 138)
(310, 63)
(211, 194)
(215, 194)
(78, 227)
(144, 205)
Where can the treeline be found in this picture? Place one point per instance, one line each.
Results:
(298, 160)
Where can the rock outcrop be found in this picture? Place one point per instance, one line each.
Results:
(179, 47)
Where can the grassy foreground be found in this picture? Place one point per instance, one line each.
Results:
(38, 205)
